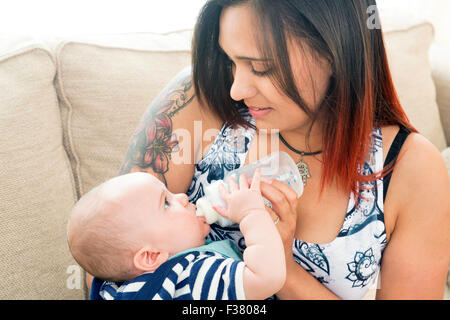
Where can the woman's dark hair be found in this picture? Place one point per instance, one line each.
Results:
(361, 93)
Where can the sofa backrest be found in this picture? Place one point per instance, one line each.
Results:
(37, 187)
(105, 85)
(408, 53)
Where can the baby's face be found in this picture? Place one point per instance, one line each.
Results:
(168, 220)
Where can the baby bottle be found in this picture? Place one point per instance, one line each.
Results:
(278, 165)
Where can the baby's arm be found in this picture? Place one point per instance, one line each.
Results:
(265, 266)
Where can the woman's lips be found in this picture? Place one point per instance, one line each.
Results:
(258, 112)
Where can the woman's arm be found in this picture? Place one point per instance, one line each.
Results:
(416, 259)
(163, 141)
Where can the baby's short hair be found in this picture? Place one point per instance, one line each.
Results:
(96, 237)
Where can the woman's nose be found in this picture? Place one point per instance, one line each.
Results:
(242, 87)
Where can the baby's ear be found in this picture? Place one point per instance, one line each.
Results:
(148, 260)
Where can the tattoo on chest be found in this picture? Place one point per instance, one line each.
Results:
(153, 141)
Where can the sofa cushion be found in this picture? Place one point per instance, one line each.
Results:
(446, 156)
(407, 45)
(36, 186)
(441, 75)
(105, 86)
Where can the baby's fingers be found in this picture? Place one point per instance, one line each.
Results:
(221, 210)
(243, 182)
(256, 180)
(223, 192)
(232, 184)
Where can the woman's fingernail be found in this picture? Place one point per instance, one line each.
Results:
(267, 180)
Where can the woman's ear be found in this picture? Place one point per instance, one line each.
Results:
(148, 260)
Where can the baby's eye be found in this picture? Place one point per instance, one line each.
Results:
(166, 203)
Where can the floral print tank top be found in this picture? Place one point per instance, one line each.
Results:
(348, 266)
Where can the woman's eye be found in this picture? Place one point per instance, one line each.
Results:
(231, 65)
(260, 73)
(255, 70)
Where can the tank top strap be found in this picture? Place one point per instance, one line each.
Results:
(392, 156)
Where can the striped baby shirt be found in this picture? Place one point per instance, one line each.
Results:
(196, 275)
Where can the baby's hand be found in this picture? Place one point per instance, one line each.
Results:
(240, 199)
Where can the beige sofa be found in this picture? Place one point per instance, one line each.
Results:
(69, 106)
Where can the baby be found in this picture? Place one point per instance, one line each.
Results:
(140, 241)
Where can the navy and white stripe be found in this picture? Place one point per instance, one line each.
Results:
(193, 276)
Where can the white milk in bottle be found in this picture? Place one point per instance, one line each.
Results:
(278, 165)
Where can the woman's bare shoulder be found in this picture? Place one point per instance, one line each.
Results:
(419, 199)
(170, 134)
(417, 153)
(180, 103)
(420, 179)
(421, 157)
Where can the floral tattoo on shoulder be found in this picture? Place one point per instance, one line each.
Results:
(152, 142)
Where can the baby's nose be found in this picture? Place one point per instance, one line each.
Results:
(183, 199)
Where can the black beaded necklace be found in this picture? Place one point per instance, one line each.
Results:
(302, 166)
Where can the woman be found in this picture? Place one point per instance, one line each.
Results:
(376, 194)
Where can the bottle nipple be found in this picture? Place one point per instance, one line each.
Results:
(205, 205)
(205, 209)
